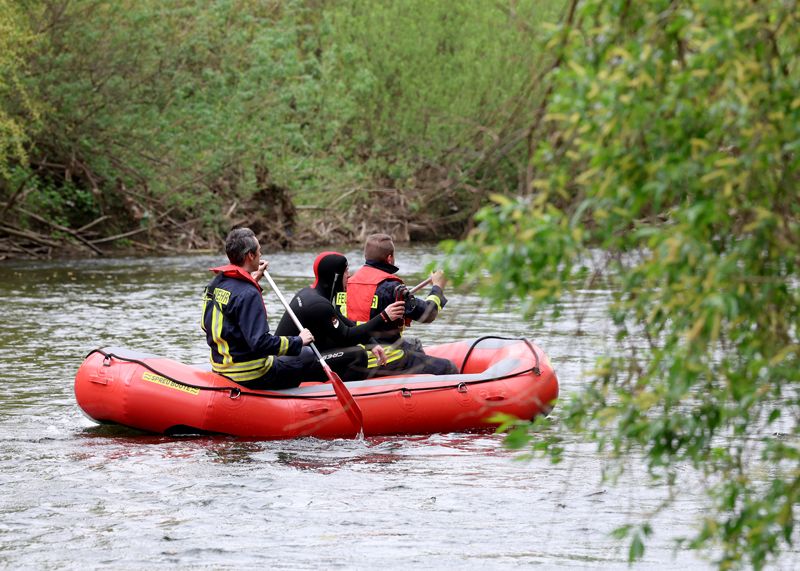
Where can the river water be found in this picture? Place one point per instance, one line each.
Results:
(79, 496)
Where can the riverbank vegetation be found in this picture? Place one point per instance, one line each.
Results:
(666, 166)
(159, 125)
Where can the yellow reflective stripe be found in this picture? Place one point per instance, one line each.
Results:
(246, 371)
(392, 355)
(244, 377)
(241, 365)
(203, 314)
(284, 346)
(216, 335)
(435, 299)
(341, 302)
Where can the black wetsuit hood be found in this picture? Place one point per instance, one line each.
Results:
(329, 270)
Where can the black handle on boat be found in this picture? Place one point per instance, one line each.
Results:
(342, 393)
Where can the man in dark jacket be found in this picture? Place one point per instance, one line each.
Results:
(335, 334)
(235, 323)
(375, 285)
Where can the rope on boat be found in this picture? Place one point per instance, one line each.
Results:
(236, 392)
(535, 368)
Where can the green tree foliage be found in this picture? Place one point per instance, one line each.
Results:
(166, 110)
(18, 109)
(169, 103)
(671, 143)
(432, 84)
(427, 74)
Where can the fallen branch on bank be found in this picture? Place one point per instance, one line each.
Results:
(28, 235)
(70, 231)
(118, 236)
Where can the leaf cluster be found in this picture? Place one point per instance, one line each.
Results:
(19, 112)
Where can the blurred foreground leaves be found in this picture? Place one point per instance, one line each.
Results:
(666, 163)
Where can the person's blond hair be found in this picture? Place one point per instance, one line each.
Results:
(378, 247)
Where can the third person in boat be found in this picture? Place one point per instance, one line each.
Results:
(375, 285)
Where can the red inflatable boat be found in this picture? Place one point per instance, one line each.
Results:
(156, 394)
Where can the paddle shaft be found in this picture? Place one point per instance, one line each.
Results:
(294, 317)
(342, 393)
(419, 286)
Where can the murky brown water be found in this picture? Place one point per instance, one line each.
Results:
(79, 496)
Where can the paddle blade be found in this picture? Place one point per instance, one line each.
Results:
(348, 401)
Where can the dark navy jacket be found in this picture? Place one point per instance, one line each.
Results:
(235, 323)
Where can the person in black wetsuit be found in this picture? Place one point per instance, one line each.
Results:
(342, 339)
(348, 349)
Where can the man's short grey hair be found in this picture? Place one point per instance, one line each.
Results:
(239, 243)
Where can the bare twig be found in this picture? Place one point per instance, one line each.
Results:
(118, 236)
(32, 236)
(92, 223)
(69, 231)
